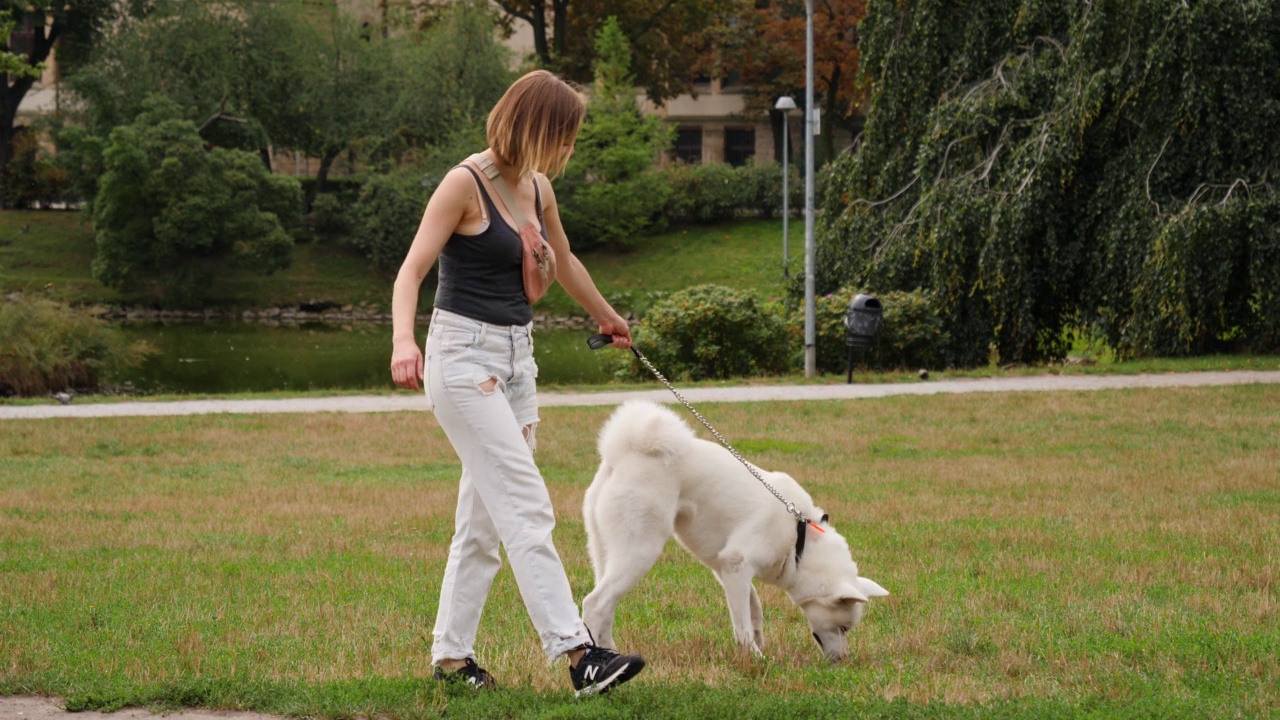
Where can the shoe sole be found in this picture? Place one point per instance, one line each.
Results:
(625, 673)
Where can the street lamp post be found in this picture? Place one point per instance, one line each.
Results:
(786, 104)
(810, 324)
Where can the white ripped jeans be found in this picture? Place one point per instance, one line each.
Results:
(502, 497)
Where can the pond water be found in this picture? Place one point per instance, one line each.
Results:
(227, 357)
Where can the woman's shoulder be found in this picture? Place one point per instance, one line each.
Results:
(544, 184)
(456, 185)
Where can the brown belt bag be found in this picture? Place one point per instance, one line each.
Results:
(538, 260)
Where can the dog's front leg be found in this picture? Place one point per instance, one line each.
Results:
(740, 594)
(757, 620)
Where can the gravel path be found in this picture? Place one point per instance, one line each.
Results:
(406, 401)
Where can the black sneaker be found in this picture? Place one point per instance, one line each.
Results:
(600, 669)
(470, 675)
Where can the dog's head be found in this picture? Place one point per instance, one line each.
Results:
(832, 594)
(831, 616)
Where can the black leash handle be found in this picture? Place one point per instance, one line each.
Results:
(595, 342)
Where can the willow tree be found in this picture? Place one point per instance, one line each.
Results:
(1043, 167)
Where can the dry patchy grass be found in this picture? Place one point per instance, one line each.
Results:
(1057, 545)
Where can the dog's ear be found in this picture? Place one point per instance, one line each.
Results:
(850, 593)
(871, 588)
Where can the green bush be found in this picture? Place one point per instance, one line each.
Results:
(764, 189)
(387, 215)
(708, 331)
(47, 348)
(332, 217)
(715, 192)
(33, 179)
(170, 212)
(705, 193)
(80, 157)
(613, 214)
(344, 187)
(912, 335)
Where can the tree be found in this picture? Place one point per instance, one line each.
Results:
(767, 49)
(259, 73)
(1049, 167)
(668, 37)
(213, 60)
(170, 212)
(608, 196)
(451, 71)
(40, 25)
(346, 84)
(12, 63)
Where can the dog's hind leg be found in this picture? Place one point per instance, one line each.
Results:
(595, 538)
(626, 557)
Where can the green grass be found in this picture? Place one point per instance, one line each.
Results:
(55, 256)
(1105, 554)
(746, 254)
(52, 256)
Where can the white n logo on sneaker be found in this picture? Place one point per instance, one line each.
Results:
(590, 672)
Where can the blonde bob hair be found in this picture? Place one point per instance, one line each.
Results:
(533, 123)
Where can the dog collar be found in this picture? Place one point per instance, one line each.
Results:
(800, 527)
(801, 531)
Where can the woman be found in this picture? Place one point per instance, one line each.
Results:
(480, 375)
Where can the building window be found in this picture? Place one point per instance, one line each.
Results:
(689, 145)
(739, 145)
(23, 39)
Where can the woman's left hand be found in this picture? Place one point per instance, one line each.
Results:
(617, 327)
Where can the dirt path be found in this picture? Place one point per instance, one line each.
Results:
(30, 707)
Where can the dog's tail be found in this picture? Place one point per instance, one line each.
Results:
(646, 428)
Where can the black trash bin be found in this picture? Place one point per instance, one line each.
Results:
(862, 323)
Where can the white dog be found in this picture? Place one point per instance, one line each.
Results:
(657, 478)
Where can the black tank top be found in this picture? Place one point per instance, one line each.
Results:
(480, 275)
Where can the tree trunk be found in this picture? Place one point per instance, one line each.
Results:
(10, 99)
(540, 36)
(561, 20)
(831, 100)
(322, 176)
(6, 153)
(11, 96)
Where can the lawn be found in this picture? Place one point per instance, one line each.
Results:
(1103, 554)
(54, 257)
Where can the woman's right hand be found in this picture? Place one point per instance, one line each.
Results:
(406, 364)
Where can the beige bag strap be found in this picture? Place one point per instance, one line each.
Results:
(500, 184)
